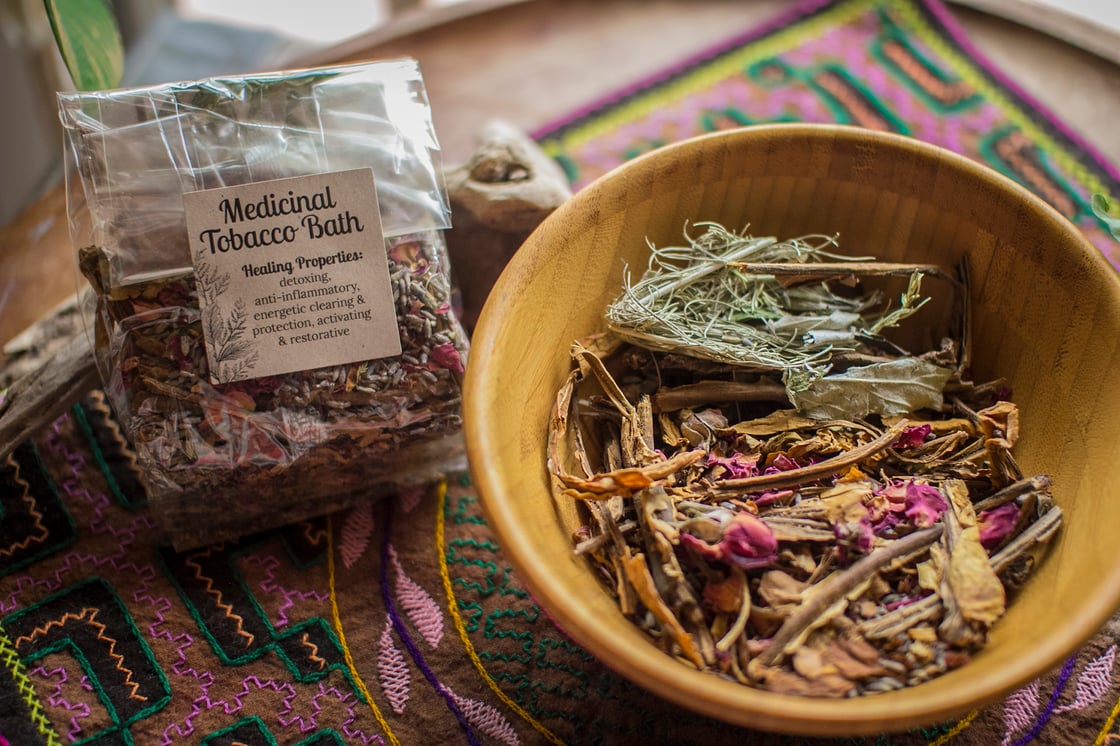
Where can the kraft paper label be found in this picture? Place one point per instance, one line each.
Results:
(292, 274)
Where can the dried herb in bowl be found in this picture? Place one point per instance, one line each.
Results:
(778, 493)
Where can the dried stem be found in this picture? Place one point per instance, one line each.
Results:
(705, 392)
(821, 469)
(838, 585)
(1014, 491)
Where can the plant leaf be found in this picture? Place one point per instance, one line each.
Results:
(894, 387)
(1103, 210)
(89, 40)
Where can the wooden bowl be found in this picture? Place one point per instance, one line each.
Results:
(1046, 317)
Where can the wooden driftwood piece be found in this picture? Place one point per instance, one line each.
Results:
(36, 398)
(498, 197)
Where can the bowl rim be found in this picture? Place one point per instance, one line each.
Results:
(719, 698)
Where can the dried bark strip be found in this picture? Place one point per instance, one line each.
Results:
(37, 398)
(704, 392)
(819, 470)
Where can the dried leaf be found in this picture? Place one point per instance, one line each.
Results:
(781, 681)
(979, 593)
(637, 571)
(930, 572)
(1000, 421)
(980, 596)
(895, 387)
(725, 596)
(779, 588)
(779, 421)
(844, 503)
(839, 656)
(628, 481)
(810, 664)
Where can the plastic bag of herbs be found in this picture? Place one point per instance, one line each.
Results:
(271, 305)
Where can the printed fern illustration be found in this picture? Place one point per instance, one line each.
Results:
(232, 357)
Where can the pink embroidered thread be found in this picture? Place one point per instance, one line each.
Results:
(356, 532)
(422, 610)
(57, 698)
(270, 563)
(410, 498)
(1019, 711)
(392, 670)
(487, 719)
(1094, 682)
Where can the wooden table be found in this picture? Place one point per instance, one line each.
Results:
(532, 61)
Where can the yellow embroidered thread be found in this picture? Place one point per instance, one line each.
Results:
(12, 662)
(956, 730)
(453, 607)
(337, 619)
(1103, 736)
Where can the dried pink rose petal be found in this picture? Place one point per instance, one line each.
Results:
(709, 552)
(886, 506)
(748, 542)
(996, 524)
(781, 462)
(446, 356)
(924, 504)
(913, 436)
(895, 493)
(772, 496)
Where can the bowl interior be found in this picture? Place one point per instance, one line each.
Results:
(1046, 315)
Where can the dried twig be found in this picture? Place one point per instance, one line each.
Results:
(836, 586)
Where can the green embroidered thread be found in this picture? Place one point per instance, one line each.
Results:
(987, 149)
(107, 594)
(55, 543)
(276, 640)
(254, 721)
(763, 72)
(462, 513)
(464, 637)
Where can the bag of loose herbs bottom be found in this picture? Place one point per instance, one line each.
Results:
(271, 307)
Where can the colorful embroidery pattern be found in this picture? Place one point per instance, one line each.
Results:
(896, 65)
(401, 622)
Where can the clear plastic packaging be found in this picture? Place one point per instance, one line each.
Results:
(223, 459)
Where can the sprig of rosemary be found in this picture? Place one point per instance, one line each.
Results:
(755, 301)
